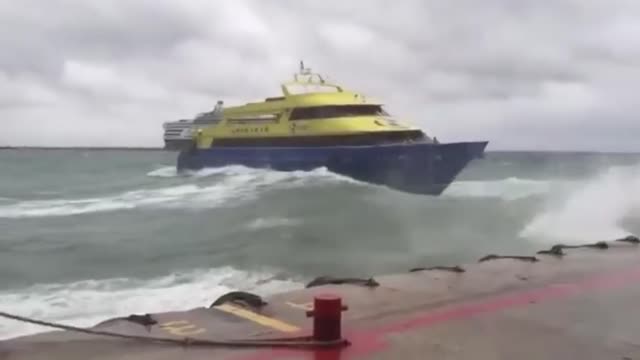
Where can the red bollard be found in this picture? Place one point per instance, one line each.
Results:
(327, 317)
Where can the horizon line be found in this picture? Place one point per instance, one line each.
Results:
(155, 148)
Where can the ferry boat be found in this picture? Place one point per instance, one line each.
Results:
(179, 134)
(314, 124)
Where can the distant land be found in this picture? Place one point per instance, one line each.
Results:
(133, 148)
(84, 148)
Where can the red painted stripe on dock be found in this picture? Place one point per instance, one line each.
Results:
(599, 282)
(367, 342)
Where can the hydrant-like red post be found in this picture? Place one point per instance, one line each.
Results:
(327, 317)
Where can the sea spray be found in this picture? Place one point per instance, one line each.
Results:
(591, 211)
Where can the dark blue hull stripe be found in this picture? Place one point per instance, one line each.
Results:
(420, 168)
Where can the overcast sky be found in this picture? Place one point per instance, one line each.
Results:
(543, 74)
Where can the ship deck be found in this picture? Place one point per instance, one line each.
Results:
(541, 306)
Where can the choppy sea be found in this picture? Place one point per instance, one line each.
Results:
(87, 235)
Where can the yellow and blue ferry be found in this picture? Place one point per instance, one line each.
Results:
(316, 124)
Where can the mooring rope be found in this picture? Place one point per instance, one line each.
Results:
(290, 342)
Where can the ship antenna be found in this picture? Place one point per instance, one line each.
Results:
(303, 70)
(307, 71)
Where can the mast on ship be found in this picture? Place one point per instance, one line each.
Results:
(306, 77)
(305, 71)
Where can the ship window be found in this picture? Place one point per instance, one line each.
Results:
(323, 112)
(255, 119)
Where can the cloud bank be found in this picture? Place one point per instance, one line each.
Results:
(559, 74)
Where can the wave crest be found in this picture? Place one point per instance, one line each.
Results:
(232, 182)
(590, 211)
(85, 303)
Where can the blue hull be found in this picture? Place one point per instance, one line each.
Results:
(419, 168)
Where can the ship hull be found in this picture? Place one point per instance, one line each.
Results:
(419, 168)
(177, 145)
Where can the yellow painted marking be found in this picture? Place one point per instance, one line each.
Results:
(257, 318)
(181, 328)
(308, 306)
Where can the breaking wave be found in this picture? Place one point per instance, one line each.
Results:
(591, 211)
(234, 182)
(271, 222)
(215, 187)
(85, 303)
(569, 209)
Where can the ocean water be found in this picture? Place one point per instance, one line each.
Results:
(87, 235)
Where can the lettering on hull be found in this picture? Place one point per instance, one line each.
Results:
(257, 130)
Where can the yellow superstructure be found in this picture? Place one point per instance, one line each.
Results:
(326, 111)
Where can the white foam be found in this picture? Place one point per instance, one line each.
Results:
(164, 172)
(86, 303)
(591, 211)
(507, 189)
(236, 182)
(172, 172)
(271, 222)
(126, 200)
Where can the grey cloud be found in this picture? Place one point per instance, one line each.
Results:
(507, 71)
